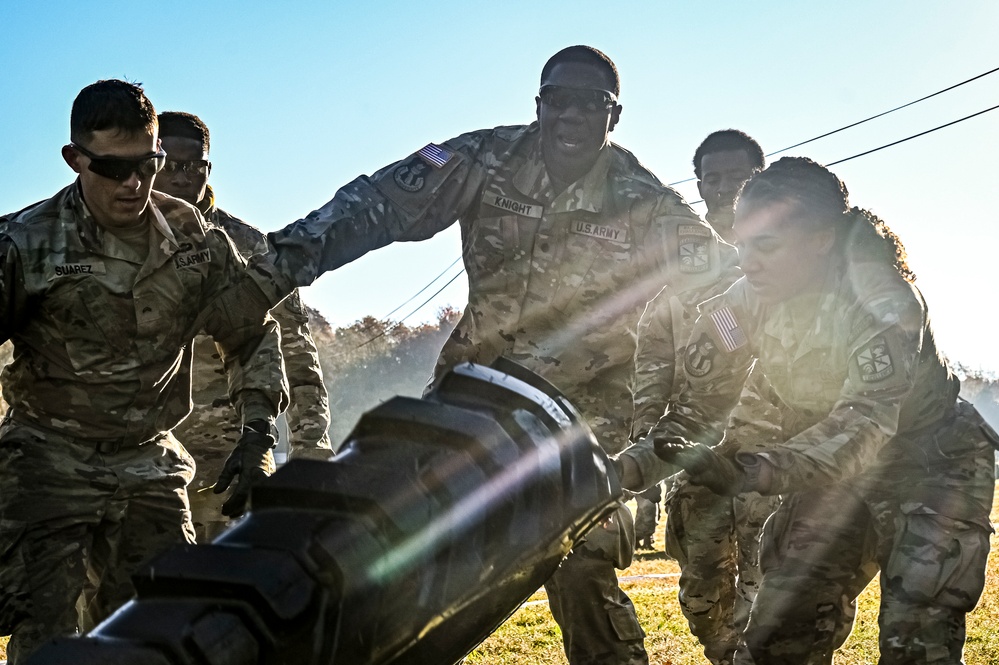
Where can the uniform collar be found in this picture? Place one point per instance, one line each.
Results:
(207, 203)
(820, 333)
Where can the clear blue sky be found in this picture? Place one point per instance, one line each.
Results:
(301, 97)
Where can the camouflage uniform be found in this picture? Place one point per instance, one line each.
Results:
(211, 431)
(100, 375)
(887, 466)
(715, 539)
(556, 281)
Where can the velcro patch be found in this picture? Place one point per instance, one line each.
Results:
(729, 331)
(532, 210)
(192, 258)
(599, 231)
(700, 356)
(435, 154)
(875, 361)
(694, 248)
(74, 269)
(411, 176)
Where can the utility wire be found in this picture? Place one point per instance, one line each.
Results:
(391, 328)
(413, 297)
(860, 122)
(839, 161)
(888, 145)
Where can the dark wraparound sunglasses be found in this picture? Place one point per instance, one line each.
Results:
(121, 168)
(189, 167)
(590, 101)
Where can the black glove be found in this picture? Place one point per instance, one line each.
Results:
(703, 464)
(250, 461)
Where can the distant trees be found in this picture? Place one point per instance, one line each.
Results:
(370, 361)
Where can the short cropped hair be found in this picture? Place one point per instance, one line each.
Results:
(587, 55)
(187, 126)
(111, 104)
(725, 140)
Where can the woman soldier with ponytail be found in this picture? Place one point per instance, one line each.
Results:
(887, 468)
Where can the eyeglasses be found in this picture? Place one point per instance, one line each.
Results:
(589, 101)
(190, 167)
(122, 168)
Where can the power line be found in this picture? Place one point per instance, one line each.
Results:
(860, 122)
(840, 161)
(888, 145)
(413, 297)
(420, 306)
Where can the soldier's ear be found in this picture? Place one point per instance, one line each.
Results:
(615, 117)
(72, 157)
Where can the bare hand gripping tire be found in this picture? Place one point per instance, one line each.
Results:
(435, 521)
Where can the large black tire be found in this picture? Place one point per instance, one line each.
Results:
(438, 517)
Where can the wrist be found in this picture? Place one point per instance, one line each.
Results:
(758, 473)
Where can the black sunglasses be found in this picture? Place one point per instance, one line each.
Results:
(121, 168)
(590, 101)
(189, 167)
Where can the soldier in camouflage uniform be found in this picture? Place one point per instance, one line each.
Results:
(888, 464)
(715, 539)
(102, 288)
(565, 238)
(210, 432)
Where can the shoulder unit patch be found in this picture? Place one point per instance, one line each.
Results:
(875, 361)
(694, 248)
(700, 356)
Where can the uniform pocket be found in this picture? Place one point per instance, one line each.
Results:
(939, 561)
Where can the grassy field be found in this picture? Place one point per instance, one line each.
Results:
(531, 636)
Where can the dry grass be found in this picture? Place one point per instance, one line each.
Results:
(531, 636)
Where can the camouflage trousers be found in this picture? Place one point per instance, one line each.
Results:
(716, 540)
(76, 522)
(922, 519)
(598, 620)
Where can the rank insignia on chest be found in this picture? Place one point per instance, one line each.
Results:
(694, 248)
(875, 361)
(700, 356)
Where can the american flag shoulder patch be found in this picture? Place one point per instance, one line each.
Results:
(732, 336)
(435, 154)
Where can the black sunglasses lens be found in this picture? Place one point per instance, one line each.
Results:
(122, 169)
(590, 101)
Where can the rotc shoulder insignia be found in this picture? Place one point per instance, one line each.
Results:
(694, 246)
(875, 361)
(410, 176)
(700, 356)
(729, 331)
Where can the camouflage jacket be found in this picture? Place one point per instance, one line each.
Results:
(557, 281)
(102, 340)
(663, 332)
(862, 377)
(209, 432)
